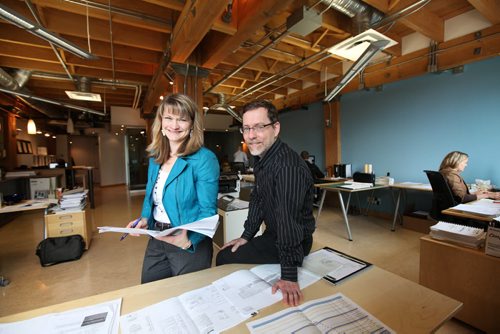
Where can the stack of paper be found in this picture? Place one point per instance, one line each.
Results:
(356, 185)
(463, 235)
(21, 173)
(74, 199)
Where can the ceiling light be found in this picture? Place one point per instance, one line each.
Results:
(83, 96)
(47, 134)
(17, 19)
(70, 127)
(31, 127)
(353, 47)
(372, 50)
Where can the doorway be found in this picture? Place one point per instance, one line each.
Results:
(137, 160)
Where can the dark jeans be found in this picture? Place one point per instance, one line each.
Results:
(164, 260)
(259, 250)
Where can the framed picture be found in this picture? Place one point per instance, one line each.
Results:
(19, 147)
(25, 146)
(30, 148)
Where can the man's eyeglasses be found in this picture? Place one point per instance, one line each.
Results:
(257, 128)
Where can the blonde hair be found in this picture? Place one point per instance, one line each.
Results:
(452, 159)
(179, 105)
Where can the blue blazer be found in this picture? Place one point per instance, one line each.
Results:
(190, 193)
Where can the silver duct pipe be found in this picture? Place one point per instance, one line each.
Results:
(13, 86)
(295, 67)
(248, 60)
(37, 18)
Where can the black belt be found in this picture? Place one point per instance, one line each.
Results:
(162, 226)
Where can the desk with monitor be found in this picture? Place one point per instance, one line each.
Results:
(403, 305)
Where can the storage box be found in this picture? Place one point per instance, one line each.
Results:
(417, 224)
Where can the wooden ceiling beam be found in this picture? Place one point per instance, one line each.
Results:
(120, 65)
(490, 9)
(252, 16)
(193, 24)
(423, 21)
(148, 10)
(176, 5)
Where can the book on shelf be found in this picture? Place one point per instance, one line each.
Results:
(461, 234)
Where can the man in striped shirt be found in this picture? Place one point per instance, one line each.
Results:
(282, 199)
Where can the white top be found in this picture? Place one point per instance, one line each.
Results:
(240, 156)
(159, 213)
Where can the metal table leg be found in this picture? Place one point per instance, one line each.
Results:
(322, 200)
(396, 211)
(344, 213)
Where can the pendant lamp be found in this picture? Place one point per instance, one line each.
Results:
(31, 127)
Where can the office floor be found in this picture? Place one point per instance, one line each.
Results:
(110, 264)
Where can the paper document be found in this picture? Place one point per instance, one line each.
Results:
(202, 310)
(95, 319)
(356, 185)
(334, 314)
(332, 265)
(483, 207)
(464, 235)
(251, 290)
(206, 226)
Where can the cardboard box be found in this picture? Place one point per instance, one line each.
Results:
(417, 224)
(493, 241)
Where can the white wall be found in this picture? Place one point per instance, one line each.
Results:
(112, 156)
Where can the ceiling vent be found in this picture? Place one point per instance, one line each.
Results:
(83, 93)
(353, 47)
(303, 21)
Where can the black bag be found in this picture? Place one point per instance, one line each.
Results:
(60, 249)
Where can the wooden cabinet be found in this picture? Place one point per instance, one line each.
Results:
(467, 275)
(61, 224)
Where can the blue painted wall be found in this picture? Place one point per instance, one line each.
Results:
(412, 124)
(303, 130)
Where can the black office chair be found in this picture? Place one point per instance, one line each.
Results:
(442, 197)
(238, 167)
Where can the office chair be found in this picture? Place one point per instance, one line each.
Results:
(238, 167)
(442, 197)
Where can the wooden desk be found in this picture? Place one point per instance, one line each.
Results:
(402, 189)
(469, 275)
(403, 305)
(469, 215)
(28, 205)
(335, 186)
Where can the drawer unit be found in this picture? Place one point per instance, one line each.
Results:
(61, 224)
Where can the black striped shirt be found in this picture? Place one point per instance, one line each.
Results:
(283, 199)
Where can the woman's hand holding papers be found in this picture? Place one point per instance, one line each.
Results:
(143, 223)
(292, 296)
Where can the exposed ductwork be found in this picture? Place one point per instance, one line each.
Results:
(363, 15)
(15, 85)
(222, 106)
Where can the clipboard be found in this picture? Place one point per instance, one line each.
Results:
(333, 265)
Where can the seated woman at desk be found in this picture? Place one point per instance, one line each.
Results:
(452, 165)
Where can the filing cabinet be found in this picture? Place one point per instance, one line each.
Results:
(64, 223)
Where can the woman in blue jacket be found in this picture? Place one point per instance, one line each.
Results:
(182, 188)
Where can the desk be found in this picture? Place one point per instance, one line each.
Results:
(335, 186)
(467, 274)
(32, 204)
(402, 188)
(469, 215)
(403, 305)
